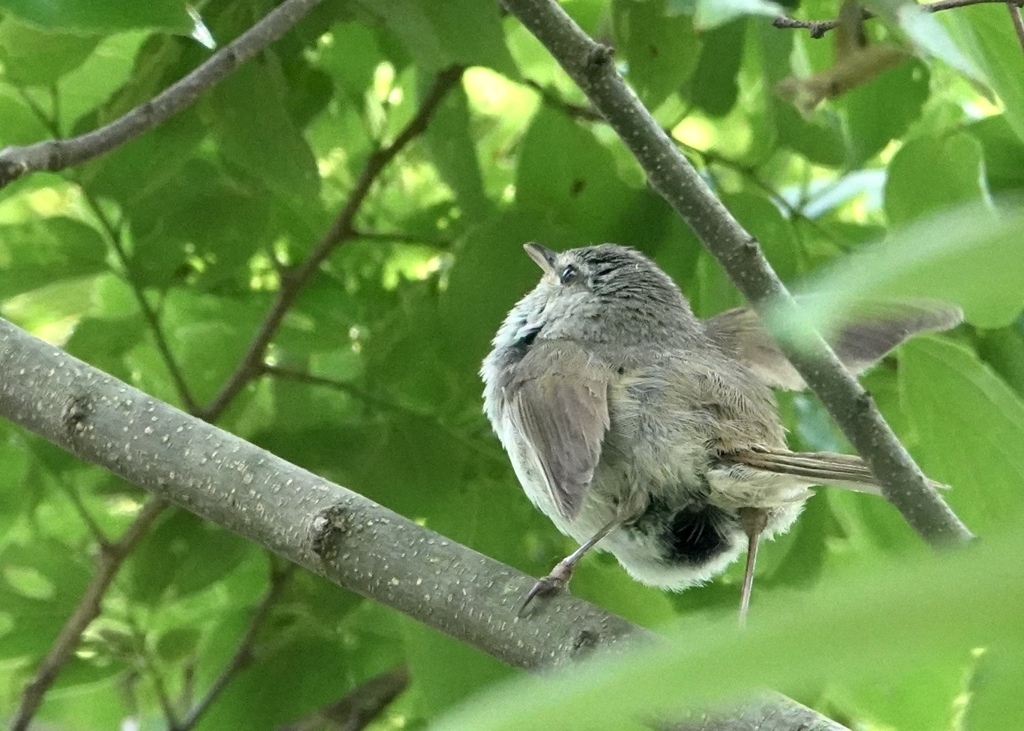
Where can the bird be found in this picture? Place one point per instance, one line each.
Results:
(646, 432)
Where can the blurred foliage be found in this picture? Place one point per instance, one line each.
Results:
(904, 186)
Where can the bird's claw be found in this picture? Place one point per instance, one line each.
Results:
(550, 584)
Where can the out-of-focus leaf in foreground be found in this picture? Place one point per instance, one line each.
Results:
(938, 608)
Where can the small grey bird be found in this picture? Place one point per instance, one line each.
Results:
(636, 426)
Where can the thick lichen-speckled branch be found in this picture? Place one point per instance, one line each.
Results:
(591, 66)
(332, 531)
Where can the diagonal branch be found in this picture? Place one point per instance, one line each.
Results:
(1015, 17)
(54, 155)
(243, 654)
(818, 28)
(117, 244)
(163, 347)
(360, 707)
(332, 531)
(341, 231)
(110, 560)
(384, 404)
(591, 67)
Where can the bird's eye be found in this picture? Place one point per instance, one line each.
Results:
(568, 274)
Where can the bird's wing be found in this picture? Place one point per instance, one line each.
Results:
(558, 401)
(871, 333)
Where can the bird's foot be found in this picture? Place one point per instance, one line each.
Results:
(550, 584)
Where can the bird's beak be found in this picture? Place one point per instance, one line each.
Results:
(544, 257)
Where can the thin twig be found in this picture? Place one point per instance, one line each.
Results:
(114, 236)
(818, 28)
(110, 560)
(400, 237)
(83, 512)
(1018, 23)
(709, 157)
(54, 155)
(385, 405)
(150, 668)
(163, 347)
(342, 230)
(578, 111)
(243, 654)
(360, 707)
(591, 66)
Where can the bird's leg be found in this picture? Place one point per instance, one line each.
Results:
(562, 571)
(753, 522)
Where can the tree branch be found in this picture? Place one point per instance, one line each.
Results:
(110, 559)
(243, 654)
(591, 67)
(329, 530)
(359, 708)
(162, 346)
(818, 28)
(369, 399)
(113, 556)
(342, 230)
(1018, 22)
(54, 155)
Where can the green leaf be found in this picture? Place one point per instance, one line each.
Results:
(764, 221)
(47, 250)
(102, 16)
(969, 430)
(440, 34)
(577, 195)
(926, 699)
(995, 691)
(1003, 350)
(350, 56)
(289, 681)
(450, 142)
(104, 343)
(257, 135)
(192, 321)
(882, 109)
(714, 13)
(471, 33)
(182, 555)
(472, 313)
(926, 32)
(101, 79)
(15, 495)
(793, 641)
(40, 586)
(987, 36)
(820, 139)
(163, 151)
(444, 670)
(19, 125)
(32, 57)
(1003, 151)
(661, 50)
(952, 167)
(714, 86)
(969, 256)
